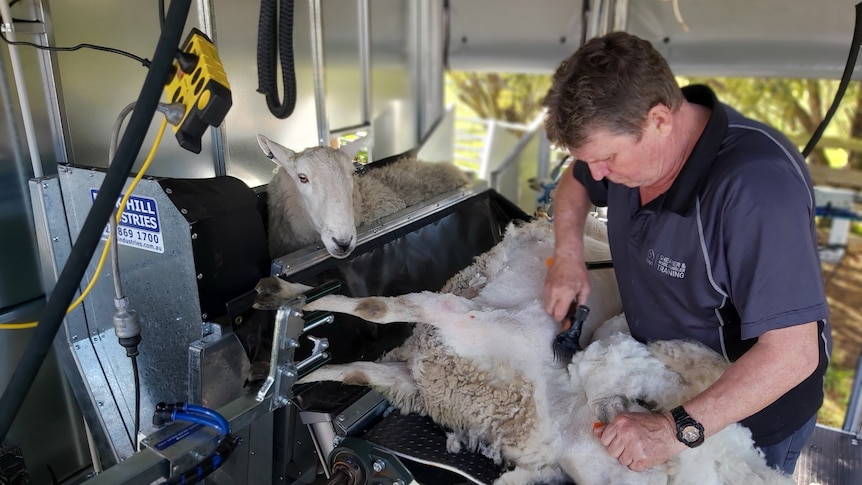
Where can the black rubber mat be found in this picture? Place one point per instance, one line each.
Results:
(415, 438)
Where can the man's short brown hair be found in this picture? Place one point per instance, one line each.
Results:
(610, 83)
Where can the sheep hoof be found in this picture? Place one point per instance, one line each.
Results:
(608, 408)
(453, 443)
(272, 292)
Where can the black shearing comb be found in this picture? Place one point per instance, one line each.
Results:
(567, 343)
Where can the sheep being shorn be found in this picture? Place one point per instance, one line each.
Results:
(314, 195)
(483, 367)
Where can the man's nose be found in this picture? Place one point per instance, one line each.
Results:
(598, 170)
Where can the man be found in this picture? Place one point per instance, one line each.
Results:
(710, 221)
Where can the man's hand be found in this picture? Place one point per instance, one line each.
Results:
(567, 281)
(640, 440)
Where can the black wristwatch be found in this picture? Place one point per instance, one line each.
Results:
(688, 431)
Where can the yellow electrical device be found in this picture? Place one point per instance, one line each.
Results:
(200, 84)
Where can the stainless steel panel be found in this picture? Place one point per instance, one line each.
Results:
(75, 351)
(745, 38)
(513, 36)
(218, 368)
(161, 287)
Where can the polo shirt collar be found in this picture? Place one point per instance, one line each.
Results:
(681, 195)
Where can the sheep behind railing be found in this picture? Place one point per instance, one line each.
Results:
(315, 195)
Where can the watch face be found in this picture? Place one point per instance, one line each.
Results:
(690, 434)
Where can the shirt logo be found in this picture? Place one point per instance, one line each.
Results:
(666, 265)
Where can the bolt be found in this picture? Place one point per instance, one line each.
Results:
(204, 316)
(337, 440)
(340, 418)
(100, 403)
(44, 186)
(200, 276)
(55, 239)
(378, 465)
(169, 191)
(183, 211)
(195, 236)
(77, 347)
(238, 320)
(398, 481)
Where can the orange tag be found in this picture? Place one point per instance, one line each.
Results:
(549, 262)
(598, 424)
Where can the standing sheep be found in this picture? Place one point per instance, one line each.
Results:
(483, 367)
(315, 196)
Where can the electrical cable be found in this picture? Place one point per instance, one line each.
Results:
(137, 377)
(842, 85)
(276, 37)
(91, 232)
(106, 250)
(144, 62)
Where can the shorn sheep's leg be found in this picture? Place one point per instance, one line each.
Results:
(425, 307)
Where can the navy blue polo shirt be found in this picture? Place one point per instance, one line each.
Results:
(726, 254)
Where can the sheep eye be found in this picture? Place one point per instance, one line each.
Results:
(303, 178)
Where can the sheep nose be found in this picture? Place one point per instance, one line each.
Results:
(344, 246)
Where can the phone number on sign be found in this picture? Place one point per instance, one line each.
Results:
(125, 232)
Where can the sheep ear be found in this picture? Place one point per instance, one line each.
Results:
(353, 147)
(274, 151)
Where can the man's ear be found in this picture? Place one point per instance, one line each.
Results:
(660, 119)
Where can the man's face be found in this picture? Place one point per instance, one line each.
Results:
(624, 159)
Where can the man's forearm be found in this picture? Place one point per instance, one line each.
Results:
(779, 361)
(571, 206)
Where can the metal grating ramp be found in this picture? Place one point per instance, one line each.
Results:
(832, 457)
(418, 439)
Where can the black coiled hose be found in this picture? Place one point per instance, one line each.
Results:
(276, 37)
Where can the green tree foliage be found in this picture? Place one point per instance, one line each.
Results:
(794, 106)
(797, 107)
(516, 98)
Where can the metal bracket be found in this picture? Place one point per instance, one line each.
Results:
(282, 371)
(289, 325)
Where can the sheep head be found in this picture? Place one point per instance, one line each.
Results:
(324, 184)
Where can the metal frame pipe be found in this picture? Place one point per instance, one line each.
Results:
(8, 28)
